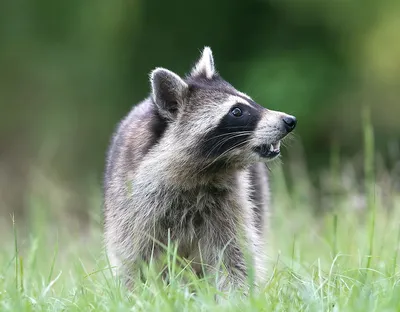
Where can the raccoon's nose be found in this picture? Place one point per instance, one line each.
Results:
(290, 123)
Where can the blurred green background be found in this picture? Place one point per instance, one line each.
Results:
(70, 70)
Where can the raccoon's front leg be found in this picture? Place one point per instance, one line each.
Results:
(224, 253)
(225, 260)
(137, 255)
(235, 277)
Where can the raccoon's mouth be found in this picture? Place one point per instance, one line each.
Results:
(269, 150)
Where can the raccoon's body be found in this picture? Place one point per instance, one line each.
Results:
(188, 165)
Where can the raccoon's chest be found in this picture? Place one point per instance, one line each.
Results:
(188, 213)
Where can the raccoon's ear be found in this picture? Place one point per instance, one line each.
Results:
(205, 65)
(168, 91)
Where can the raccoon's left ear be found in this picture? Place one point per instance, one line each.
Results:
(168, 91)
(205, 65)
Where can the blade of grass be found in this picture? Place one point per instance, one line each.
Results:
(53, 263)
(15, 252)
(369, 179)
(21, 274)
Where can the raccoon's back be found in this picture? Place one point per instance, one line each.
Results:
(132, 139)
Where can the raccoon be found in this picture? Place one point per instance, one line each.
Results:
(188, 165)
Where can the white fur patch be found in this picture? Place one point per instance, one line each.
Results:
(205, 65)
(243, 94)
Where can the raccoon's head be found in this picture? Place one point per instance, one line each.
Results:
(215, 122)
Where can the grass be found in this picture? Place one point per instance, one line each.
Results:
(344, 258)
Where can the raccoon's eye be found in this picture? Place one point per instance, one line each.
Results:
(237, 112)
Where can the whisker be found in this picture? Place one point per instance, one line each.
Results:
(222, 142)
(234, 127)
(226, 134)
(231, 136)
(223, 154)
(287, 140)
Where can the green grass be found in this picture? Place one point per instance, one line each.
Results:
(343, 259)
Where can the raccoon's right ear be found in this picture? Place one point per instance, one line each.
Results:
(168, 91)
(205, 65)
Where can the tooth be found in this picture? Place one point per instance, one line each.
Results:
(272, 147)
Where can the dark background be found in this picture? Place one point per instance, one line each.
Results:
(69, 70)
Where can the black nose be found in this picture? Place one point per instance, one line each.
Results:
(290, 123)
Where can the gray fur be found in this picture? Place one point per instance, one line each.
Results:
(157, 181)
(168, 91)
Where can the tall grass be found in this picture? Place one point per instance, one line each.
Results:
(342, 259)
(369, 178)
